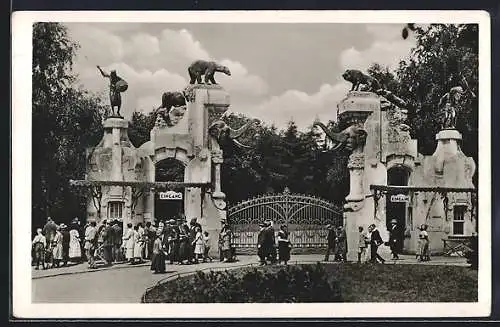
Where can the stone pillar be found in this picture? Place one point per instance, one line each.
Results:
(114, 127)
(204, 102)
(356, 166)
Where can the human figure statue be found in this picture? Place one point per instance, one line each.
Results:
(451, 101)
(116, 86)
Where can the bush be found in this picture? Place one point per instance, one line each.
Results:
(277, 284)
(472, 256)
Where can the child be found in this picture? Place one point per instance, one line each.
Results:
(362, 241)
(198, 244)
(39, 243)
(206, 242)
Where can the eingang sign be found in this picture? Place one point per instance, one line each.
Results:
(399, 198)
(170, 195)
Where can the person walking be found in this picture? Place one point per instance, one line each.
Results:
(65, 244)
(91, 244)
(375, 242)
(261, 244)
(128, 243)
(75, 249)
(226, 243)
(341, 245)
(117, 241)
(57, 251)
(270, 243)
(39, 244)
(171, 241)
(108, 243)
(394, 239)
(206, 247)
(330, 246)
(184, 245)
(49, 231)
(284, 245)
(362, 244)
(423, 240)
(158, 254)
(138, 245)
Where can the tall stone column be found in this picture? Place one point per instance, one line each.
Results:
(113, 129)
(205, 103)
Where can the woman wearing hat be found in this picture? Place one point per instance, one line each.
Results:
(423, 244)
(57, 251)
(75, 251)
(158, 258)
(284, 245)
(340, 244)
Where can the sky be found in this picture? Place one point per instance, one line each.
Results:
(280, 72)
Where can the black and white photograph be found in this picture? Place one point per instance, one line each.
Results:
(215, 162)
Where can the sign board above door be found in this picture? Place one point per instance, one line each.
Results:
(399, 198)
(170, 195)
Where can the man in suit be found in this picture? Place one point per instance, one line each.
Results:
(394, 239)
(261, 244)
(375, 242)
(65, 243)
(270, 242)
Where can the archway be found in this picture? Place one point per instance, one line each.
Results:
(396, 204)
(168, 207)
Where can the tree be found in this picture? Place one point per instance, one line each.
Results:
(66, 120)
(140, 127)
(445, 56)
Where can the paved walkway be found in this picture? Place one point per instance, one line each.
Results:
(123, 283)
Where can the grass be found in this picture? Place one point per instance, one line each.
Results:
(369, 283)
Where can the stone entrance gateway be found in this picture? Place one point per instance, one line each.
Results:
(305, 216)
(389, 179)
(124, 177)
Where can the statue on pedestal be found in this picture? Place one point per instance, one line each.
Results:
(358, 78)
(207, 68)
(451, 101)
(116, 86)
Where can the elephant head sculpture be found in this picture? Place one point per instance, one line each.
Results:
(349, 139)
(222, 132)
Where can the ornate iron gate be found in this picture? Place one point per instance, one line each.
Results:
(305, 217)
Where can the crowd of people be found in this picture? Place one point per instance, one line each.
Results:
(173, 240)
(176, 241)
(369, 242)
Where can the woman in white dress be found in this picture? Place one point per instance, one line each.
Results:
(198, 245)
(128, 241)
(137, 258)
(75, 251)
(57, 251)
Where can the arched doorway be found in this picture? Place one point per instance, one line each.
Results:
(395, 203)
(168, 170)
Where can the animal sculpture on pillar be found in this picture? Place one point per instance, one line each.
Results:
(349, 139)
(358, 78)
(221, 132)
(116, 86)
(207, 68)
(172, 108)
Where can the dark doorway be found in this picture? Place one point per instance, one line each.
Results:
(397, 176)
(169, 170)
